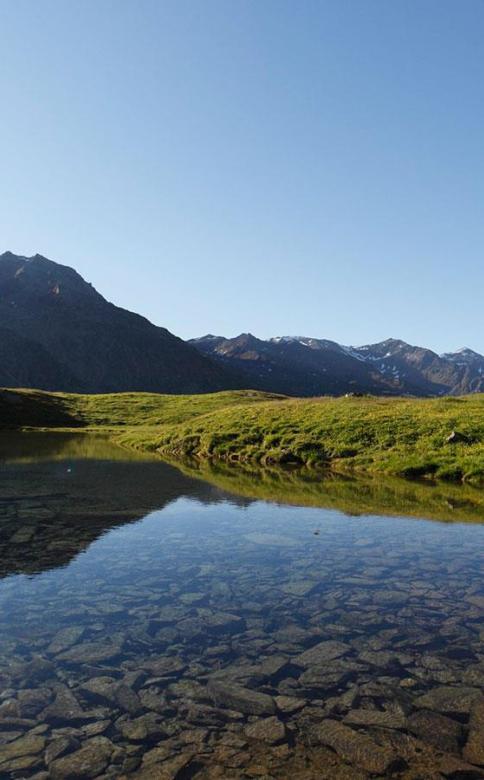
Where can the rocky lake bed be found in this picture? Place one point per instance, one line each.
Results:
(155, 626)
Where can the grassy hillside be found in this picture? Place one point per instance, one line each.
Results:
(39, 409)
(405, 437)
(398, 436)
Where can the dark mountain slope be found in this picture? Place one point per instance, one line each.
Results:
(26, 363)
(88, 344)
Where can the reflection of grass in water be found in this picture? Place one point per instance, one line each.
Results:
(33, 447)
(301, 486)
(357, 496)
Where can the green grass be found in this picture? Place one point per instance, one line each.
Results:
(111, 411)
(404, 437)
(396, 436)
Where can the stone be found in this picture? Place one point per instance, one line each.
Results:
(87, 762)
(191, 736)
(245, 700)
(127, 699)
(33, 700)
(96, 728)
(59, 746)
(168, 770)
(299, 587)
(64, 708)
(9, 708)
(385, 659)
(21, 764)
(449, 700)
(318, 679)
(90, 653)
(323, 651)
(389, 720)
(29, 745)
(99, 689)
(145, 728)
(455, 437)
(223, 622)
(435, 729)
(358, 749)
(203, 715)
(65, 639)
(164, 666)
(270, 730)
(107, 690)
(288, 705)
(474, 747)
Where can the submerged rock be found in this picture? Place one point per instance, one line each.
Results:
(449, 700)
(324, 651)
(64, 639)
(90, 653)
(389, 720)
(87, 762)
(270, 730)
(358, 749)
(30, 745)
(437, 730)
(245, 700)
(474, 747)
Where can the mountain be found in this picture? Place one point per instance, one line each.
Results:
(295, 366)
(308, 366)
(455, 373)
(58, 333)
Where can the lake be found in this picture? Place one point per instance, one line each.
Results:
(169, 623)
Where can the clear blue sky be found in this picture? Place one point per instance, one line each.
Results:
(309, 168)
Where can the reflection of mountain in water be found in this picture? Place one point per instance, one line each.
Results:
(51, 509)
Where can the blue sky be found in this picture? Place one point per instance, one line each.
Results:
(308, 168)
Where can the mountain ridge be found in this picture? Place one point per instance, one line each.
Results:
(388, 367)
(100, 346)
(57, 332)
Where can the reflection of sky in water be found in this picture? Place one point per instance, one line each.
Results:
(280, 542)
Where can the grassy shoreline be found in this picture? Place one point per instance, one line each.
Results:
(404, 437)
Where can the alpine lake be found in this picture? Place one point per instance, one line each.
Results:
(167, 622)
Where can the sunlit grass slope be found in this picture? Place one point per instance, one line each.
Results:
(399, 436)
(39, 409)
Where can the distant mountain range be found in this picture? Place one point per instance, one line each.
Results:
(58, 333)
(309, 366)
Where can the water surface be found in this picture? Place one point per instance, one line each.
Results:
(154, 625)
